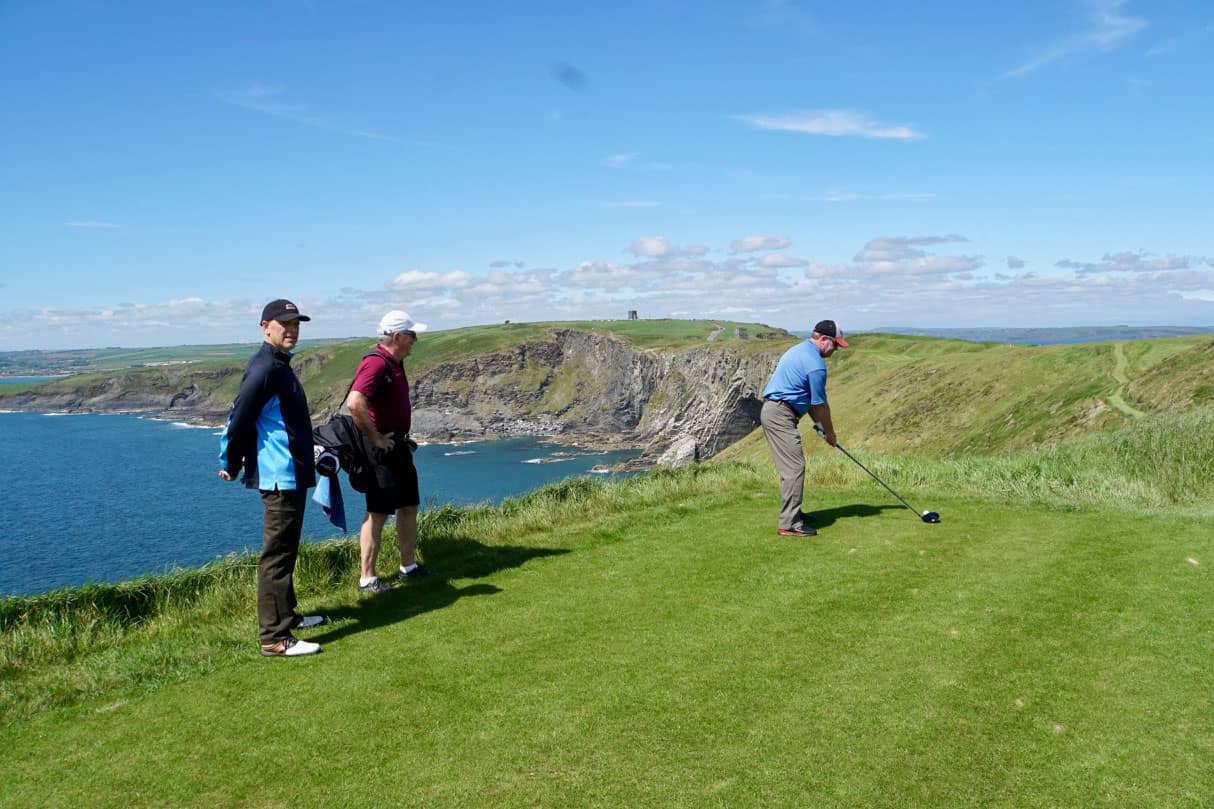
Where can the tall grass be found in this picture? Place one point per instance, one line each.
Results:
(71, 643)
(1166, 461)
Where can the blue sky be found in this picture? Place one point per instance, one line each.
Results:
(169, 167)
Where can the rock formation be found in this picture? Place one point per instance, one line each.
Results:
(678, 405)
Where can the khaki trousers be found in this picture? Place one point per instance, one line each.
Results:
(780, 428)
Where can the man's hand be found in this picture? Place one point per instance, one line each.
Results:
(223, 475)
(383, 442)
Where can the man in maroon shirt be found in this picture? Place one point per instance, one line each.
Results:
(379, 402)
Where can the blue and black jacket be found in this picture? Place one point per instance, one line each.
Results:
(269, 432)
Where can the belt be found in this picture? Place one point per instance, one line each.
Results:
(791, 409)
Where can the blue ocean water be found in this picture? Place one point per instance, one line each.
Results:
(109, 497)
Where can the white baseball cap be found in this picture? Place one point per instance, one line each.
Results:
(398, 321)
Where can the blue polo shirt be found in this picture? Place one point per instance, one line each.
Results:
(799, 378)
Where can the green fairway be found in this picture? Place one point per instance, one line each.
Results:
(676, 652)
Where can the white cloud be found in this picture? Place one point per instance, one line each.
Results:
(892, 281)
(1108, 28)
(835, 123)
(1126, 261)
(1015, 263)
(782, 260)
(619, 161)
(651, 246)
(416, 279)
(271, 100)
(901, 248)
(660, 247)
(748, 244)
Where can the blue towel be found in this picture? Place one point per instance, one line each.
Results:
(328, 490)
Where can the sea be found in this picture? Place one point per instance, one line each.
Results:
(103, 498)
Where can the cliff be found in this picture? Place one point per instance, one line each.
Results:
(677, 403)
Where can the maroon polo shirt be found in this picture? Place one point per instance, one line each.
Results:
(382, 380)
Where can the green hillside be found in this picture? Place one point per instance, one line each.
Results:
(101, 360)
(951, 399)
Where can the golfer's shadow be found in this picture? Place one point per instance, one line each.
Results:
(449, 558)
(827, 516)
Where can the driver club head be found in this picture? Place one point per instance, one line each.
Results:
(931, 516)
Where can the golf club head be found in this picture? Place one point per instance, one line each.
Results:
(931, 516)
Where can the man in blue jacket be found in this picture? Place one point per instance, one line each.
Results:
(797, 387)
(269, 439)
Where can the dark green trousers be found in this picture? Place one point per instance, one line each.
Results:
(284, 514)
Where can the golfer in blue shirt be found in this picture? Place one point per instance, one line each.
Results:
(797, 387)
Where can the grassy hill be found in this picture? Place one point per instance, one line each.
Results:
(101, 360)
(651, 642)
(952, 399)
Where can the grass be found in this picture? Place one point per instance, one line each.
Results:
(652, 643)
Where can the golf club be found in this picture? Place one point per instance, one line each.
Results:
(927, 516)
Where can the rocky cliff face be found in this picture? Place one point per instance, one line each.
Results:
(678, 405)
(181, 391)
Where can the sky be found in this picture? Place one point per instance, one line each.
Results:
(168, 168)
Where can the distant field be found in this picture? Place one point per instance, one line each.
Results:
(80, 361)
(1071, 334)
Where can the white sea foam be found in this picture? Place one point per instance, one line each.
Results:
(459, 452)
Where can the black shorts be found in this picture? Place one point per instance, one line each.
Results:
(387, 501)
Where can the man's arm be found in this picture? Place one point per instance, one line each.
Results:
(239, 438)
(356, 402)
(821, 414)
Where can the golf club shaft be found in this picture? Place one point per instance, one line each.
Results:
(874, 477)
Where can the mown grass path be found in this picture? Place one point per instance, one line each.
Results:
(1117, 398)
(684, 655)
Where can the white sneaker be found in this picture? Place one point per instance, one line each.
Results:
(289, 647)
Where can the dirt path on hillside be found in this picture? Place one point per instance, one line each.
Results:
(1116, 399)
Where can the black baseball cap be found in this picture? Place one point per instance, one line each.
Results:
(831, 330)
(283, 311)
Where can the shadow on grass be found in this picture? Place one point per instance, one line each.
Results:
(449, 558)
(828, 516)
